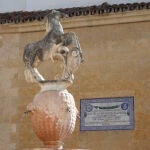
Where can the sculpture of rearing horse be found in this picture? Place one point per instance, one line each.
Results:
(54, 44)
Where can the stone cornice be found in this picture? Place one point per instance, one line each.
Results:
(80, 21)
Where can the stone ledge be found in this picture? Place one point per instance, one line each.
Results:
(78, 22)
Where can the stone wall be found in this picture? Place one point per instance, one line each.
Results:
(117, 63)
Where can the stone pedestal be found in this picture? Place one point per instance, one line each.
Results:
(53, 111)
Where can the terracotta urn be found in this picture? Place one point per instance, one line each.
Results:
(53, 115)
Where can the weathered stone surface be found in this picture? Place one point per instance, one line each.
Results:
(5, 136)
(51, 149)
(116, 64)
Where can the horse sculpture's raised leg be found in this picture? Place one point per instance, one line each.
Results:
(75, 51)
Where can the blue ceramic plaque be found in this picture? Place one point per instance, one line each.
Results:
(107, 114)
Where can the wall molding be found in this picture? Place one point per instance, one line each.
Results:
(79, 22)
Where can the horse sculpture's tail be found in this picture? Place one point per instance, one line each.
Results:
(28, 58)
(31, 74)
(29, 54)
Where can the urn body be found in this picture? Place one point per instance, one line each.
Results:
(53, 115)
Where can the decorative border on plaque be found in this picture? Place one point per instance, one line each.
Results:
(107, 114)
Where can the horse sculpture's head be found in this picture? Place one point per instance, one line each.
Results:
(57, 14)
(53, 17)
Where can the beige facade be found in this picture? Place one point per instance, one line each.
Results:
(117, 63)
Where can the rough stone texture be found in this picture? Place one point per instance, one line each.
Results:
(116, 64)
(51, 149)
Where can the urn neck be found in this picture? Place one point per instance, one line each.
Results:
(56, 85)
